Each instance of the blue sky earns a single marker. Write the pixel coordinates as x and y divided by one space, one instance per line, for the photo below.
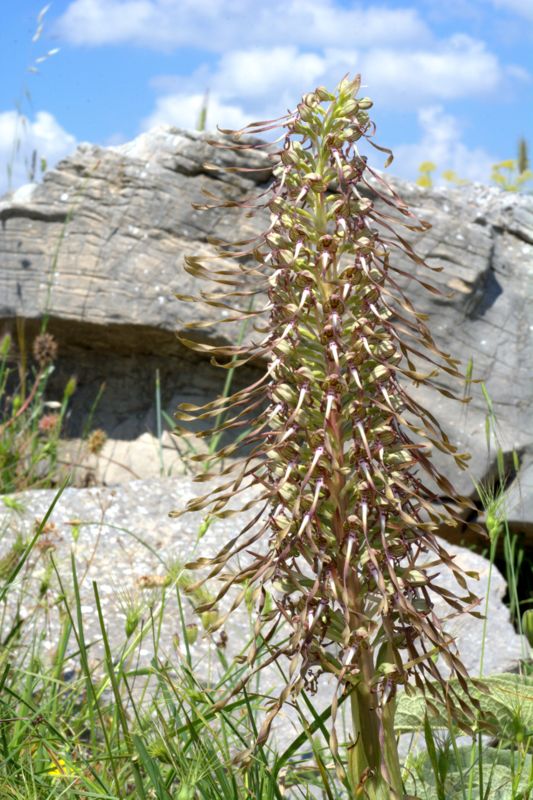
452 80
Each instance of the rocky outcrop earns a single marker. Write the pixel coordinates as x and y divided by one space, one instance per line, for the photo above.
99 248
122 537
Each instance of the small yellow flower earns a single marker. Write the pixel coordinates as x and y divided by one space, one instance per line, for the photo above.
58 768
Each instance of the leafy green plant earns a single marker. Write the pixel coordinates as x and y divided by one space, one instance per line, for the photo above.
505 708
508 176
502 768
348 545
514 563
511 175
508 776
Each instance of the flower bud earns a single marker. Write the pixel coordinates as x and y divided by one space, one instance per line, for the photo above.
70 388
310 99
191 633
527 625
209 619
316 181
322 93
5 345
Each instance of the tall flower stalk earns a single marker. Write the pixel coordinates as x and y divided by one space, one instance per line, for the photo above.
349 500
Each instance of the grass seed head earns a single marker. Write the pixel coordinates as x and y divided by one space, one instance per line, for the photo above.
45 349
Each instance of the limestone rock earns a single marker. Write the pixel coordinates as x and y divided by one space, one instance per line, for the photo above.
99 247
100 243
122 536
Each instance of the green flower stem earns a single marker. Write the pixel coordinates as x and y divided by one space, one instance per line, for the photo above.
366 761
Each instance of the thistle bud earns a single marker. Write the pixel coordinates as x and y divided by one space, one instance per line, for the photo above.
209 619
96 441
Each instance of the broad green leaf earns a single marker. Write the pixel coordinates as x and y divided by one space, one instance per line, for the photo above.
506 708
505 775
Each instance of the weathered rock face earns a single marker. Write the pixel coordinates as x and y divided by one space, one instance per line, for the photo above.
124 537
101 242
99 247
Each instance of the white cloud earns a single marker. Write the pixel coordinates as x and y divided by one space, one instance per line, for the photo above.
20 136
93 22
441 142
514 71
183 111
458 67
523 8
269 54
262 83
263 73
218 25
438 11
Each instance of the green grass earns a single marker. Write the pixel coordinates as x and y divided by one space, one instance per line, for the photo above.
92 719
76 725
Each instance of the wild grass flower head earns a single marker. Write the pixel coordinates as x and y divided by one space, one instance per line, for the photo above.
96 441
45 349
